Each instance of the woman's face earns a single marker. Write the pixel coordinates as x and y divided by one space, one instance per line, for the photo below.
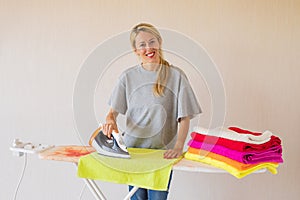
147 47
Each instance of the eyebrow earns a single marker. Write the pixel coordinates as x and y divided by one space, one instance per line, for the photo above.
144 41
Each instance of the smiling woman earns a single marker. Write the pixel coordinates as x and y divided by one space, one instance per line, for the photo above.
150 85
156 98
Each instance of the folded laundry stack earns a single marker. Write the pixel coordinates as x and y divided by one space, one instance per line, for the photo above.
238 151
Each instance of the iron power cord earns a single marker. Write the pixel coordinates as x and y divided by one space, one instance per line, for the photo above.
22 175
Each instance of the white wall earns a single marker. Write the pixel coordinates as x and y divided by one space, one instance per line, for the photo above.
255 45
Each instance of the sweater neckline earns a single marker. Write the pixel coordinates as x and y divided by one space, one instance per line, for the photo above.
145 70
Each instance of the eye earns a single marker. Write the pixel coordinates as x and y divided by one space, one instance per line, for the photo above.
142 45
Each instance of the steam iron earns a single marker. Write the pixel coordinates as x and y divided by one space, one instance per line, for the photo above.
114 147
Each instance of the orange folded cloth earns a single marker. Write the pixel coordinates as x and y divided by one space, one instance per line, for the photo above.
272 167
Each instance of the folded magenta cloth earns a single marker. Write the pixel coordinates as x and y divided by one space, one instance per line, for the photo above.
233 135
233 163
236 145
146 168
274 154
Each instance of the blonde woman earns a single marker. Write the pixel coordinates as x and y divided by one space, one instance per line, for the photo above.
156 99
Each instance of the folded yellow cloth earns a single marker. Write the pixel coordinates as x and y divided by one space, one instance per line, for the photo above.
232 170
146 168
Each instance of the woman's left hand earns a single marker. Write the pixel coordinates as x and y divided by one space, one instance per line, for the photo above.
173 153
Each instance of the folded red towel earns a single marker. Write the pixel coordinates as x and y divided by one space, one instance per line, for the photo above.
237 145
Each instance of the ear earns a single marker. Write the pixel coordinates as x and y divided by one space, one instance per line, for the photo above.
159 42
136 52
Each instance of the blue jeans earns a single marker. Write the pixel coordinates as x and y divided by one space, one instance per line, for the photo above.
146 194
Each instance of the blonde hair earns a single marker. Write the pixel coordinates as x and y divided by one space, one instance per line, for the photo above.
162 75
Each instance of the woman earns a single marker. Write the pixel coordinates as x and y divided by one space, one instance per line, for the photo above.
157 100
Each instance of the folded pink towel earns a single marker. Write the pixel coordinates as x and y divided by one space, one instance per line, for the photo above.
273 154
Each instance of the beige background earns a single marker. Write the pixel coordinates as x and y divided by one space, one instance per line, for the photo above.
255 45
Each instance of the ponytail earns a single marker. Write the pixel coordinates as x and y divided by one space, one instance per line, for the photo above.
162 78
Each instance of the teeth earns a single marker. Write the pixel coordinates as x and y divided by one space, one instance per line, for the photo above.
150 54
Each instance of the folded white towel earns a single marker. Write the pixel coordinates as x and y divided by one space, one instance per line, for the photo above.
232 135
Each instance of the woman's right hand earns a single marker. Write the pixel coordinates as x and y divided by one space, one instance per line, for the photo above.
110 124
109 127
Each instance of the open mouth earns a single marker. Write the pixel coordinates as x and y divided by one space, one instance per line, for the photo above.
150 55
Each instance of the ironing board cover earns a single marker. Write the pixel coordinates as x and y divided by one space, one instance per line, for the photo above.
146 168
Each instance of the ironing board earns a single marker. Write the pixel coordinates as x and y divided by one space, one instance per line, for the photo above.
72 154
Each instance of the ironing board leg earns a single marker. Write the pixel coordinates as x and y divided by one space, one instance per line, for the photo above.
94 189
131 193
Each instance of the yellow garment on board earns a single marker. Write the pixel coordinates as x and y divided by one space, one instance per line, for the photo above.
146 168
232 170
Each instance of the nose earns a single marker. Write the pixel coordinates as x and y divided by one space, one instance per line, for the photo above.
148 46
